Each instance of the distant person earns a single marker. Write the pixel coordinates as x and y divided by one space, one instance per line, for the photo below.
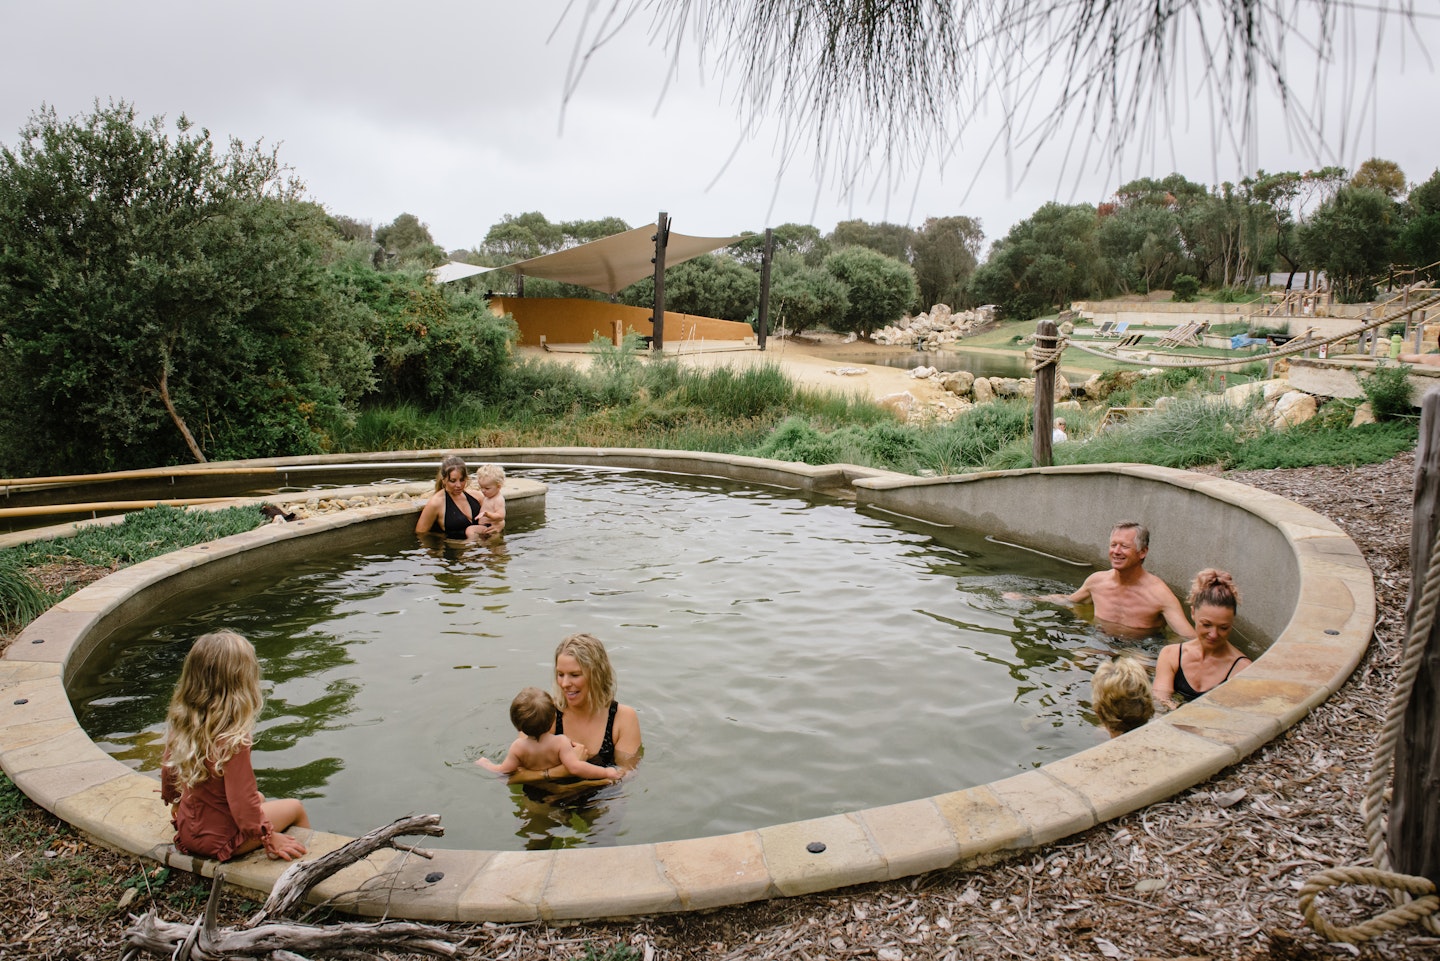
1129 600
1120 695
206 775
538 748
1058 435
451 511
489 478
1196 667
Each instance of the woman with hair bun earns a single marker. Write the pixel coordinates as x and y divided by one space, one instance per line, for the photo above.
1192 668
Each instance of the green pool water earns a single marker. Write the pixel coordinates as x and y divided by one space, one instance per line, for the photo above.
789 657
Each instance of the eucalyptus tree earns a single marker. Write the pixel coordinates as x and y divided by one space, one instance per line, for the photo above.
1350 237
879 289
946 252
161 299
1043 263
1419 240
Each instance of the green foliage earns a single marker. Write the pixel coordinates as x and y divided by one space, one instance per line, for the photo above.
1141 246
946 252
803 297
140 536
408 241
618 951
21 599
880 288
1350 238
1184 288
708 285
1339 445
1388 390
1187 433
431 345
1042 264
12 802
893 240
152 287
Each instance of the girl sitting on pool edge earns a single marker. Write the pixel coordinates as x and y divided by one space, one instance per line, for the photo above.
606 733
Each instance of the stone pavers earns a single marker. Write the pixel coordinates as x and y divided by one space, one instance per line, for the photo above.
1317 611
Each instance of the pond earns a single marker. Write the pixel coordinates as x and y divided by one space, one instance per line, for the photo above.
789 657
980 363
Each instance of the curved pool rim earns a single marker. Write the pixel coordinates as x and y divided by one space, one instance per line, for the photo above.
1307 589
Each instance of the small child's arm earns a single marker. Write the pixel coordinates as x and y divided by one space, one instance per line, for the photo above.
584 769
510 765
496 511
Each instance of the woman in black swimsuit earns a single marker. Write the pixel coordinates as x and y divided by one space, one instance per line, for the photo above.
451 510
1192 668
607 731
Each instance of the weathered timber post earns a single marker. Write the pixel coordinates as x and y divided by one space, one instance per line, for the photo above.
762 324
1046 337
657 319
1414 840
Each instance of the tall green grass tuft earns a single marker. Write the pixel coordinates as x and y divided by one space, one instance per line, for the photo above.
21 599
1187 433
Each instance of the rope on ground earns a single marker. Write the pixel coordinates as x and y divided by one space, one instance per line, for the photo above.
1402 887
1291 348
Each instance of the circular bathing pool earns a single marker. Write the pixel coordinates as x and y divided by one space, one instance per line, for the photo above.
789 657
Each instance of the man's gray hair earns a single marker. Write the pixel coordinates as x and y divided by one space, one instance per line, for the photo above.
1142 533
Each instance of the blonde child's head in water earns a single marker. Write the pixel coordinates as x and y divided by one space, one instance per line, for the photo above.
1120 695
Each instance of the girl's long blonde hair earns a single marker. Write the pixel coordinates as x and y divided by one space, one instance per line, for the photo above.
213 710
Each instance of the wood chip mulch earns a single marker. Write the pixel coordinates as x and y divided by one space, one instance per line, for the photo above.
1210 874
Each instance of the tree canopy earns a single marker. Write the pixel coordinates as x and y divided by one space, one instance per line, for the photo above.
162 300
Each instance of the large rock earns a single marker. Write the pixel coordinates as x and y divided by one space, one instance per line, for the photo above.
902 403
1364 414
958 382
1009 387
1294 407
1243 395
984 392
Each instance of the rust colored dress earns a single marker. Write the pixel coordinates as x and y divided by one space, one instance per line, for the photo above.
220 813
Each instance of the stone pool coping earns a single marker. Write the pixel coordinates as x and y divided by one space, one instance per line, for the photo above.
1317 606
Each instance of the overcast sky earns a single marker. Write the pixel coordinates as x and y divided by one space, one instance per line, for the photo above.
452 111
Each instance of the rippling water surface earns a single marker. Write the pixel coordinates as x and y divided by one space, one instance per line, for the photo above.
789 658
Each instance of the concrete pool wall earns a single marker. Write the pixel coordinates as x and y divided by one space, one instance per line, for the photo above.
1307 592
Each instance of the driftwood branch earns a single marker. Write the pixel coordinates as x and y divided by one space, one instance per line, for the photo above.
301 876
279 940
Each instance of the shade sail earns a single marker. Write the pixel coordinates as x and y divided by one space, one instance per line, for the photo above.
614 263
454 270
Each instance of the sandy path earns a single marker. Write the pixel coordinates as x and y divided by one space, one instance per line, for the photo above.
801 363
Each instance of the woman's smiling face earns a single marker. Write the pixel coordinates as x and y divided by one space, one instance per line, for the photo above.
570 678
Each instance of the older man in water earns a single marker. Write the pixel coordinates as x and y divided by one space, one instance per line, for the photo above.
1127 595
1129 600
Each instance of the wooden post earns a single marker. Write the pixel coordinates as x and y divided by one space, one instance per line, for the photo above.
1414 840
1046 336
657 319
762 323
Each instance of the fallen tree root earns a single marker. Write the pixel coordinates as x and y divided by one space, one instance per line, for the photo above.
266 935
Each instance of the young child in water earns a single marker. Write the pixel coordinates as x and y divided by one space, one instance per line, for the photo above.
489 478
218 811
538 748
1120 695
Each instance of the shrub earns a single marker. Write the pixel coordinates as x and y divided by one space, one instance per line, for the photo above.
1388 390
1185 288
